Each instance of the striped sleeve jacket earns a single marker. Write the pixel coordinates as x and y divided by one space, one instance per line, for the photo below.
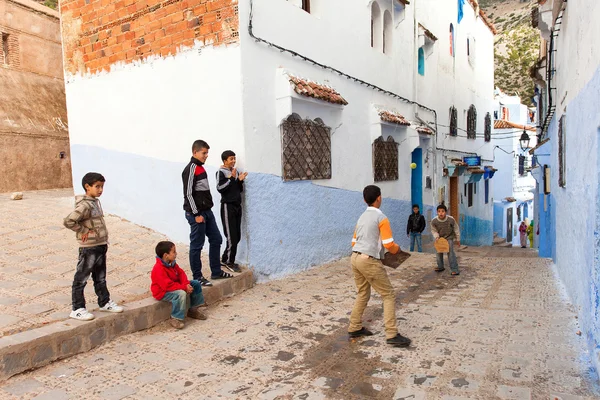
196 192
373 234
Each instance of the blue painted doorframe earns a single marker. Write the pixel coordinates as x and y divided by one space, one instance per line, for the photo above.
416 181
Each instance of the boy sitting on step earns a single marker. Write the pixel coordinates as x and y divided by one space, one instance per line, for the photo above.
170 283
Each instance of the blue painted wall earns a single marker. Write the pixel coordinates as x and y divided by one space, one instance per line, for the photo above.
570 223
416 180
294 225
499 226
475 231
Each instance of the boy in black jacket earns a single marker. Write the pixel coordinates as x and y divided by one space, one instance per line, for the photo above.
231 185
197 203
415 227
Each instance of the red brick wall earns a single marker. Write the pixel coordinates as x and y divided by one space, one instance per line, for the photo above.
99 33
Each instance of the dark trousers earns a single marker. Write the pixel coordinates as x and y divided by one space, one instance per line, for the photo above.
231 217
92 261
198 233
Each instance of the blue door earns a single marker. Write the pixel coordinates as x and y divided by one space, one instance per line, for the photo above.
416 181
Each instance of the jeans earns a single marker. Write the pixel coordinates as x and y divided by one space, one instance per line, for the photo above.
451 258
181 302
370 272
231 217
92 261
198 233
415 237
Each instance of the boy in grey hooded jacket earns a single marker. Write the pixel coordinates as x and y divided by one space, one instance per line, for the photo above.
87 221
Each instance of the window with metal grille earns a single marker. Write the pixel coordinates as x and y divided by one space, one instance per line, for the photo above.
305 149
385 159
487 134
453 121
521 165
472 122
562 142
427 182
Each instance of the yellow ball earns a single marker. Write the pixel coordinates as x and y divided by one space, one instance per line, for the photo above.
413 165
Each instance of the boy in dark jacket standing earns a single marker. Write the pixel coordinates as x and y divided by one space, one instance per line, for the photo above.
170 283
230 184
197 203
87 220
415 227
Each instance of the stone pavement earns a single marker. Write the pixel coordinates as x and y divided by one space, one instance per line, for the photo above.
501 330
39 257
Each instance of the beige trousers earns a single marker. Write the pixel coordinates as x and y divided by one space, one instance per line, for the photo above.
370 272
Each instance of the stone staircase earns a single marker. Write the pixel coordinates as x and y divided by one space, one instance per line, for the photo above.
500 242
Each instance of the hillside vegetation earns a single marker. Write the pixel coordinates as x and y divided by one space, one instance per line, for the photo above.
516 45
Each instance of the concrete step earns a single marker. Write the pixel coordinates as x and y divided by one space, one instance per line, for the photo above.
499 240
38 347
504 244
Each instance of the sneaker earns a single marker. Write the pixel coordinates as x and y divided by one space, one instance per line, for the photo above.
361 332
233 267
82 314
177 324
111 306
196 313
399 341
204 282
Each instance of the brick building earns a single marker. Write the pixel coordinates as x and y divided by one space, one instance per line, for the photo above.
34 135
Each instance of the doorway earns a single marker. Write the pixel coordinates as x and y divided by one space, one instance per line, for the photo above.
454 197
416 178
509 225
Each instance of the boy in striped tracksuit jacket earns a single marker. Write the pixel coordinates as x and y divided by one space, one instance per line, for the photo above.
372 238
230 183
197 203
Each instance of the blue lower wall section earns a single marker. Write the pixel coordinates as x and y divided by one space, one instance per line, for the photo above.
294 225
475 231
547 237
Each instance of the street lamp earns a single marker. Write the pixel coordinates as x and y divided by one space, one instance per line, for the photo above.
524 140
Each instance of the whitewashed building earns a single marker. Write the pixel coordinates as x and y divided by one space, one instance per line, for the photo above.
318 99
513 184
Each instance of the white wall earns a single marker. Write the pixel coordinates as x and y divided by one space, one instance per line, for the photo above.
139 121
338 36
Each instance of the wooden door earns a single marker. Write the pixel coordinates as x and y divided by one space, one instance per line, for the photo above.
454 197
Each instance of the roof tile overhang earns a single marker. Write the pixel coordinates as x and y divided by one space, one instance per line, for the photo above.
504 124
393 118
305 87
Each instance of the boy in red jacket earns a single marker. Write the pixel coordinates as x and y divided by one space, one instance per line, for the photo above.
170 283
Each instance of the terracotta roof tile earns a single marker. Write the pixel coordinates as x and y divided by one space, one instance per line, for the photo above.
476 170
424 130
428 33
315 90
504 124
394 118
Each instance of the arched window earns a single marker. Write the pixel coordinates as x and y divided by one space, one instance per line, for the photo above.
451 37
376 34
472 122
487 135
453 121
421 61
387 32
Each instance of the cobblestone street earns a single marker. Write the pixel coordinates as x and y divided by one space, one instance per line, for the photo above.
500 330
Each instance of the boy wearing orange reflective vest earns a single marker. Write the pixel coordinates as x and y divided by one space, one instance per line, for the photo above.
372 238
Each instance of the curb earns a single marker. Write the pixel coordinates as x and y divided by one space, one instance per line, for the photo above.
38 347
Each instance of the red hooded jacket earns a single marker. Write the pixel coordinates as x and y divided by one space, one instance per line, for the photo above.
167 279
